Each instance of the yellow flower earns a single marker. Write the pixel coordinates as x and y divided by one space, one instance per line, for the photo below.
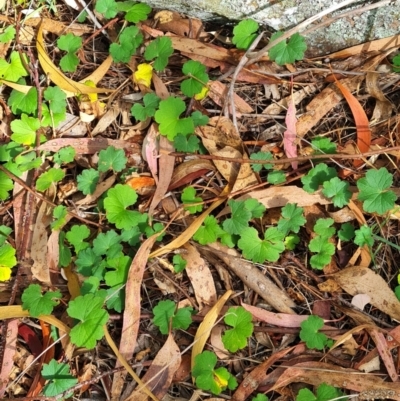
202 94
143 74
5 273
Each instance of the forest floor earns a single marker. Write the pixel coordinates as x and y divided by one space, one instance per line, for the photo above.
185 216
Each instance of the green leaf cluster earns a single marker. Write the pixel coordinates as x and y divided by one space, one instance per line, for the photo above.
325 392
159 50
274 177
210 378
310 334
321 244
58 378
170 123
167 315
242 328
197 78
70 43
189 198
244 33
287 52
129 40
37 303
375 193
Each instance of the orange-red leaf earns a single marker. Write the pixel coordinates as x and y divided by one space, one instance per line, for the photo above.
361 120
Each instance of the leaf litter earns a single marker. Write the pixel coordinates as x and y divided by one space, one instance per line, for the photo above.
261 276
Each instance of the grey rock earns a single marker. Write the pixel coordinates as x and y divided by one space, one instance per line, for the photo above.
354 29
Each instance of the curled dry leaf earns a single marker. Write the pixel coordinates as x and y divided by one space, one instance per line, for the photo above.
158 377
218 92
253 278
200 277
188 171
362 280
9 353
166 165
315 373
131 317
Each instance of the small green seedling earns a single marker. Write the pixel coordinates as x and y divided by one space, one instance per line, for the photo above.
287 52
159 50
321 244
210 378
310 334
364 236
58 378
129 40
396 63
209 231
197 78
186 143
166 314
292 219
374 191
88 309
244 33
7 34
324 392
317 176
37 303
49 178
259 250
135 12
179 263
87 181
70 44
14 70
118 199
190 201
242 328
338 190
151 102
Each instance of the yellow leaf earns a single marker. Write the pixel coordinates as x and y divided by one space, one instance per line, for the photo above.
92 96
221 381
5 273
143 74
55 74
202 94
203 332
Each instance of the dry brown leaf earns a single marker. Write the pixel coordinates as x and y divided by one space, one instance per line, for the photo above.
188 171
276 319
166 168
131 317
383 108
257 376
253 278
383 350
107 119
218 93
361 120
92 145
329 98
40 267
368 47
9 353
220 138
200 277
316 373
362 280
280 196
52 25
170 21
158 377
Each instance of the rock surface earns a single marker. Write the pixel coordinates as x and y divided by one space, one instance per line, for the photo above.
354 28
